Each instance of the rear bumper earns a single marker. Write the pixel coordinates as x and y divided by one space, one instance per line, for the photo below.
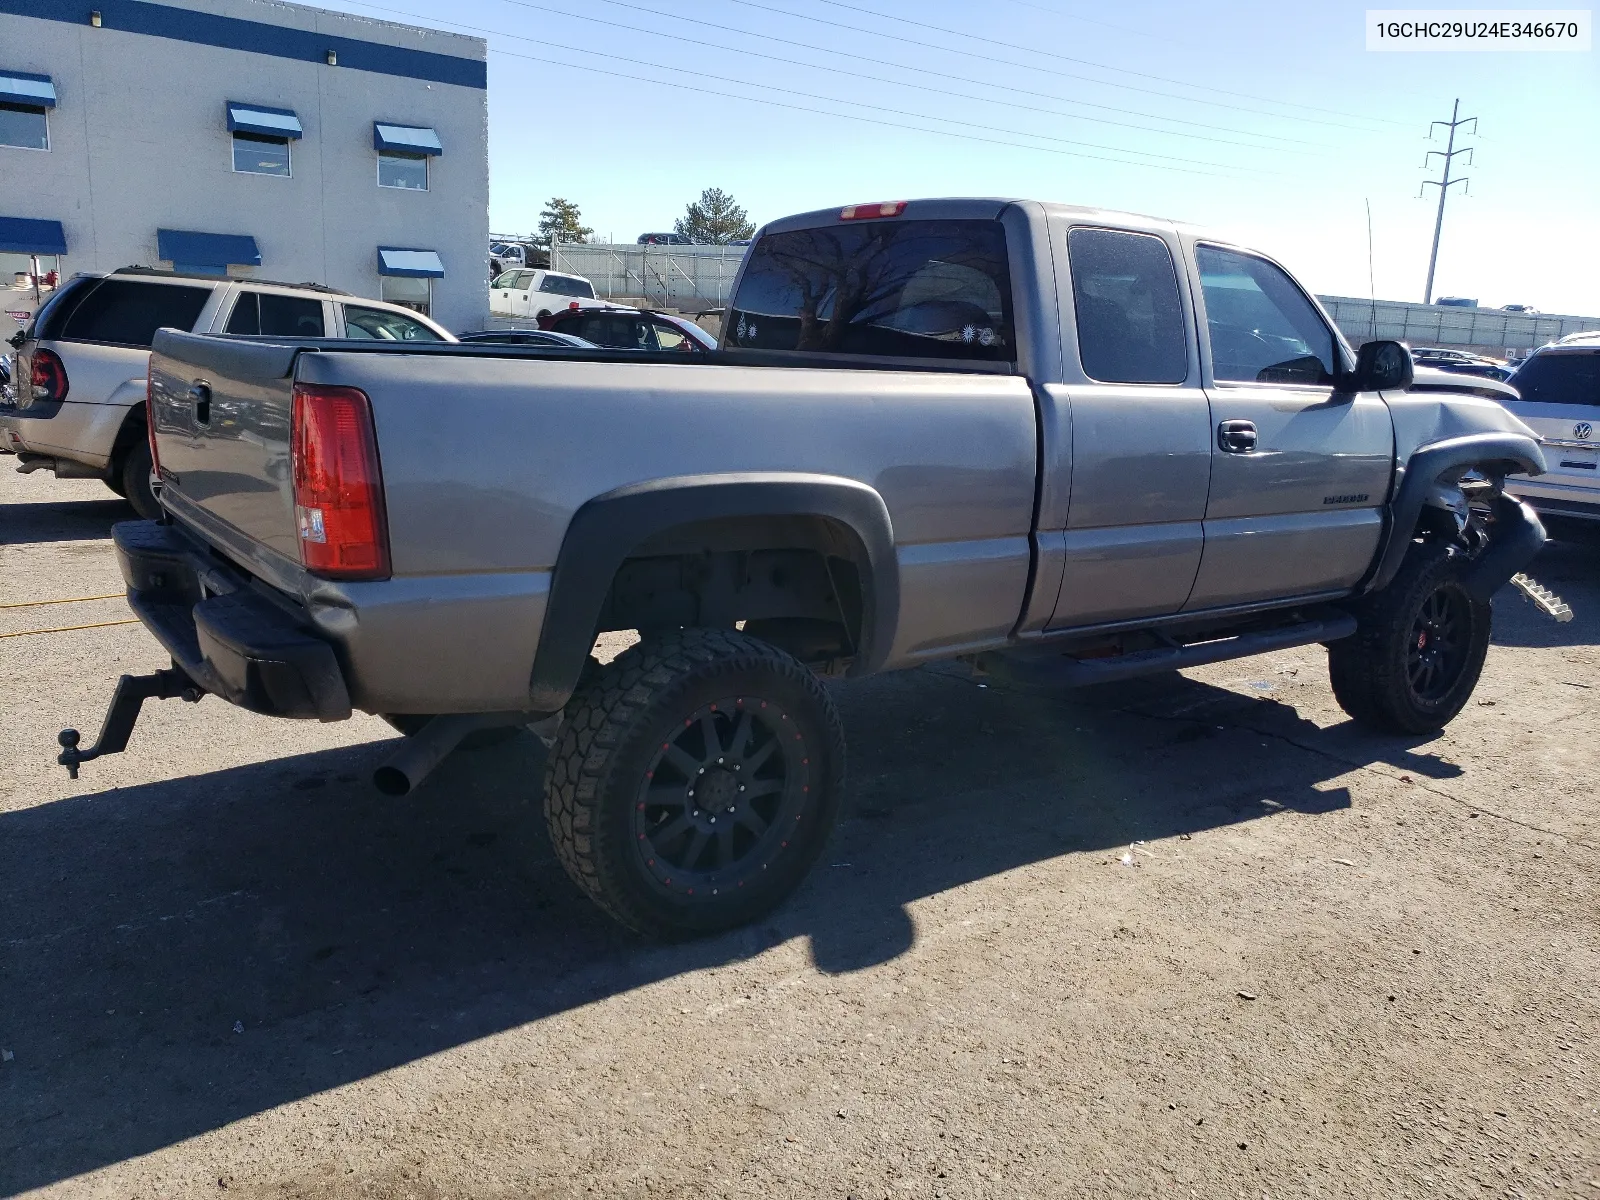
81 433
226 633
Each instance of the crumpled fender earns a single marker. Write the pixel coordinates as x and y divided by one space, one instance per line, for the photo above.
1505 451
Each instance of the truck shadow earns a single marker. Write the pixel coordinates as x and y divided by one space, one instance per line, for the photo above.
62 521
178 956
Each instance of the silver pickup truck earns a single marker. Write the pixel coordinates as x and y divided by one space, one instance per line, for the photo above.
1063 444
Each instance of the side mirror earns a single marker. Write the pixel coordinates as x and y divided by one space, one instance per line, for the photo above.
1382 367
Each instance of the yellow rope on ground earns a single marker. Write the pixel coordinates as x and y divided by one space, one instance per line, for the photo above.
70 628
72 600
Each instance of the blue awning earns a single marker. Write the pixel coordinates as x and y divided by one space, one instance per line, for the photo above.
184 246
411 139
23 235
257 118
409 264
19 87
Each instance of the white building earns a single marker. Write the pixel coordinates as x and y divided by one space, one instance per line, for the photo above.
244 137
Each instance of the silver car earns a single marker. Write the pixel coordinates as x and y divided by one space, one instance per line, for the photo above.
1559 398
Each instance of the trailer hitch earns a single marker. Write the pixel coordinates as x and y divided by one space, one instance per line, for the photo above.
132 691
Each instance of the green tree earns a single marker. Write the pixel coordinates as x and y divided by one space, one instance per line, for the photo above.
715 220
562 222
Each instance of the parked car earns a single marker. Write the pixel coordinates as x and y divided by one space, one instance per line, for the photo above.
1460 362
1062 444
665 239
526 337
1519 308
1558 396
632 329
537 293
81 361
1456 302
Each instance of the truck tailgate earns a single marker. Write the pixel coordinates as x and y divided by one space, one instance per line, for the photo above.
221 410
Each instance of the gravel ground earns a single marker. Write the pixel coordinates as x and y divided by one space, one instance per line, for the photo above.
1191 936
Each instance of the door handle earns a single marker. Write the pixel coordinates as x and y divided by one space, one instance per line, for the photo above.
200 393
1236 437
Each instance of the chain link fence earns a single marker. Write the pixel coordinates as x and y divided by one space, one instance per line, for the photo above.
689 278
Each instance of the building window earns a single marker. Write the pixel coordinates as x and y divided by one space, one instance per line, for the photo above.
409 292
398 169
24 126
259 154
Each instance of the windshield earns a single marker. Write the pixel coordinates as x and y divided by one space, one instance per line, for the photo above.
1564 378
902 289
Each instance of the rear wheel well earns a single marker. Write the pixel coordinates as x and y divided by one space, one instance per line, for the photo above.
131 433
796 582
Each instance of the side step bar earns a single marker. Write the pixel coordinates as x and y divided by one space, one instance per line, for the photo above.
1059 670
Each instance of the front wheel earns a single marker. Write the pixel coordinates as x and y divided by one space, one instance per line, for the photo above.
1418 650
694 781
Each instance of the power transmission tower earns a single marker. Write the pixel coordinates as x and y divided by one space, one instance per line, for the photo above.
1445 183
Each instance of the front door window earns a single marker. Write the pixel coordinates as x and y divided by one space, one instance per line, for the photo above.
1262 327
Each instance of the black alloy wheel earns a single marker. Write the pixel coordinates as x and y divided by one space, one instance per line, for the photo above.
721 796
1439 644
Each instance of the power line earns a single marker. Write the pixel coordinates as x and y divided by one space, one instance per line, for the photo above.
791 44
1056 12
639 62
956 95
894 37
1445 183
855 7
821 112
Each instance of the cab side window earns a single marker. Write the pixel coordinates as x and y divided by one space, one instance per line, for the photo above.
382 326
1129 316
1262 328
277 316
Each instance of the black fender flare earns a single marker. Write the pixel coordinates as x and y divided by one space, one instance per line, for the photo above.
608 528
1517 451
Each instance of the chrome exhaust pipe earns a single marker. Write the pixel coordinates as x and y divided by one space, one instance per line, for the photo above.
405 769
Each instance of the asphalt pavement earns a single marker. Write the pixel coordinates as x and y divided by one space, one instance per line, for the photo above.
1195 935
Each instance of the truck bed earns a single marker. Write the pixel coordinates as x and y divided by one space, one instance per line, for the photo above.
487 453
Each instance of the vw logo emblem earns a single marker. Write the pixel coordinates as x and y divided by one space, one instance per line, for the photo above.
1582 430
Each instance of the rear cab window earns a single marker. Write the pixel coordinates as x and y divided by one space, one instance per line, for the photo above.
121 312
933 289
1560 377
566 285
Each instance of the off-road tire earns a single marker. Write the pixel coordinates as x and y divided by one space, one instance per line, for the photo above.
1372 670
133 476
615 737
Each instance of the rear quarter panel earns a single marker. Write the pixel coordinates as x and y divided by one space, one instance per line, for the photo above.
485 461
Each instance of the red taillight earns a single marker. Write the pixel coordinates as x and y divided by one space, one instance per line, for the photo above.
871 212
150 421
48 379
338 488
574 306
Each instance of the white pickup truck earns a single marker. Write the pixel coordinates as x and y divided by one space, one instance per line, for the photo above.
531 294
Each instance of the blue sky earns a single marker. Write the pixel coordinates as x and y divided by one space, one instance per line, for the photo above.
1270 121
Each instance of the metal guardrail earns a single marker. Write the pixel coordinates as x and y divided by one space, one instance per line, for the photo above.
662 276
1487 329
